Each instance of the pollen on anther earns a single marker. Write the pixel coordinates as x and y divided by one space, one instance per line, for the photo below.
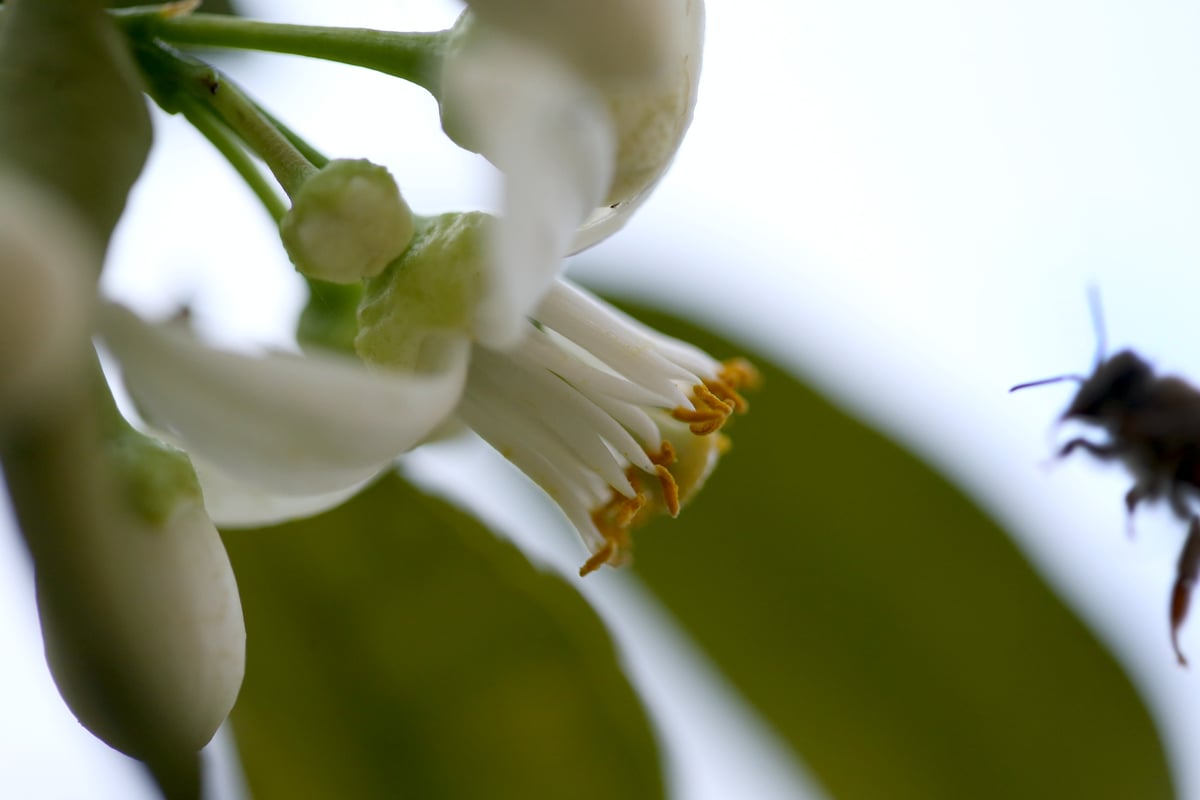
665 457
670 489
709 413
597 560
739 373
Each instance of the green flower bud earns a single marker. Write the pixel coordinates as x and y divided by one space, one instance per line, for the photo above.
347 222
430 291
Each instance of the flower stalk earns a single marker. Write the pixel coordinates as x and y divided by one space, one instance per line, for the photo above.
413 57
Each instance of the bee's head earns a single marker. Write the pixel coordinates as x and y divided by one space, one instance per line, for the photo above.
1116 384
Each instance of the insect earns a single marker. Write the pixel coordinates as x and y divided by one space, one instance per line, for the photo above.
1153 426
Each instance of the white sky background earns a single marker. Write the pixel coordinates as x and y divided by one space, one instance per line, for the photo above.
904 204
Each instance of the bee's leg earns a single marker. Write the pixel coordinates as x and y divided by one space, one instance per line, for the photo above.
1179 503
1104 452
1136 494
1185 580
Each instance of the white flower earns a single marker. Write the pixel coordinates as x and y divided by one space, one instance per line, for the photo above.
613 420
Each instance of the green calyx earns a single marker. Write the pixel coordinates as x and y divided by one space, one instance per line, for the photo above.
347 222
330 317
429 291
155 479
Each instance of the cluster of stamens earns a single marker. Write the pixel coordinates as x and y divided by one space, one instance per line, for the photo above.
594 407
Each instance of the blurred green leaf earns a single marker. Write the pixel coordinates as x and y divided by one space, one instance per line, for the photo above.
396 648
891 632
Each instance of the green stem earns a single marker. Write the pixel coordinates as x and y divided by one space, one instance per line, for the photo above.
210 125
314 156
287 163
177 81
414 57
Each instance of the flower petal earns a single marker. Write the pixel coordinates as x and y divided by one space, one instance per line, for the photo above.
234 503
292 425
650 119
552 137
614 40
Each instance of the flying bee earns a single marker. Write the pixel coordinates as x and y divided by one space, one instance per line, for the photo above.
1153 427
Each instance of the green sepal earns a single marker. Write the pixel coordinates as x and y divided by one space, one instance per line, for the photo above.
154 478
330 317
430 290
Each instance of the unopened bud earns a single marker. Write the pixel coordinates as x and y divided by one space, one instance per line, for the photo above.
156 660
347 222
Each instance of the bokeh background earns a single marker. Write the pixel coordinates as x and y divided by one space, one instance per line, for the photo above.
902 205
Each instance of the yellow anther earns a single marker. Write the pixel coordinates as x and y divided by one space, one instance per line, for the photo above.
733 375
598 559
665 457
613 520
670 489
713 402
740 373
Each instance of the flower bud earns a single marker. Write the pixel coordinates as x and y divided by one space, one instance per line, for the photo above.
151 657
347 222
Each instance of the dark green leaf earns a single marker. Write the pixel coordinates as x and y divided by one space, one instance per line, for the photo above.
396 648
890 631
71 108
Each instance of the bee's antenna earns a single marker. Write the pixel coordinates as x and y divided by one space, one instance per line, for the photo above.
1044 381
1097 322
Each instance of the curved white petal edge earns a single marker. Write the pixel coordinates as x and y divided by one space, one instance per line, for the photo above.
288 424
613 40
234 503
678 87
550 134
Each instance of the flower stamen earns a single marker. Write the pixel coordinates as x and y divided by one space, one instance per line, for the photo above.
734 375
616 422
708 413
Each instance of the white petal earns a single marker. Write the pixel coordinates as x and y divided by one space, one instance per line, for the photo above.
552 137
234 503
650 119
603 222
612 40
290 424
